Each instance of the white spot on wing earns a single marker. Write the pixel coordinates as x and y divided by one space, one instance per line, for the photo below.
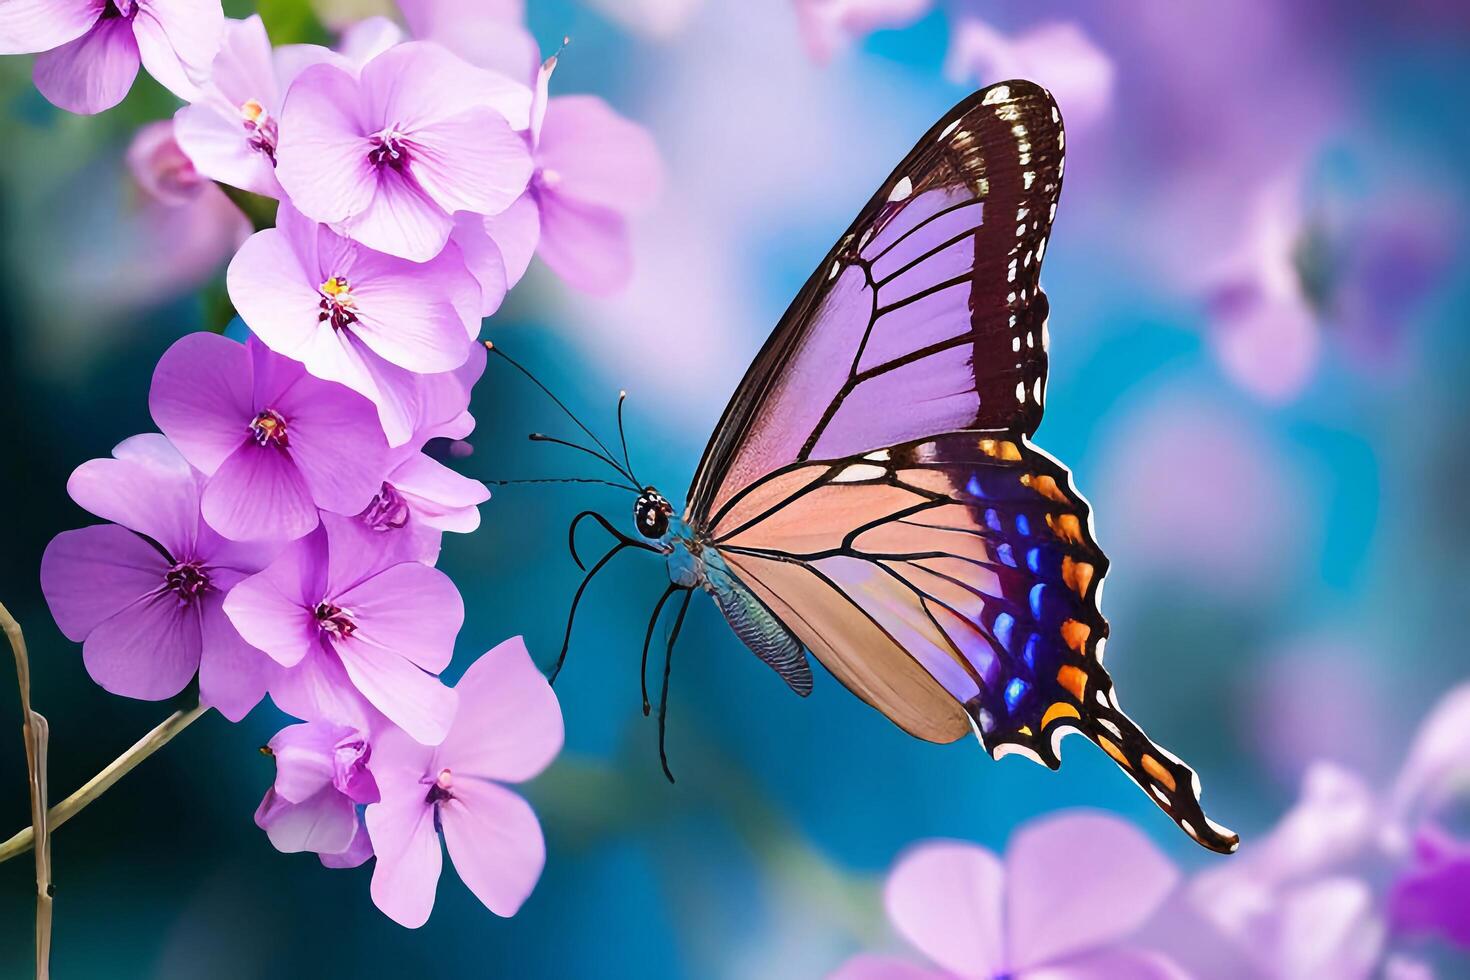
1001 93
1020 391
901 190
949 129
859 472
880 456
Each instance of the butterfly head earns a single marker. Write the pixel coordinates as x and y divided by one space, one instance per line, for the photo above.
651 513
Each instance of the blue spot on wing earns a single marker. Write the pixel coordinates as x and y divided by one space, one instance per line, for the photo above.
1015 691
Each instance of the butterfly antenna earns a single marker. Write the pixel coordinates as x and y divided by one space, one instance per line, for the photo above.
559 479
663 701
605 455
623 437
648 641
543 437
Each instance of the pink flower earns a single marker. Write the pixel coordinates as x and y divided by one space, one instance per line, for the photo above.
388 157
1069 890
144 595
91 48
361 628
275 442
1058 55
321 776
508 729
370 321
231 129
829 26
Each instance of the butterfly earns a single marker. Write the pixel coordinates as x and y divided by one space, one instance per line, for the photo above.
871 496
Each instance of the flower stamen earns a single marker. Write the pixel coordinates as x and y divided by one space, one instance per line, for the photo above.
337 304
260 128
269 428
388 511
389 149
332 619
187 579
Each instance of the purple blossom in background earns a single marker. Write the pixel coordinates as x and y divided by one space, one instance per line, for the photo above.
361 629
275 442
144 595
352 315
830 26
593 167
388 157
1058 55
231 129
486 33
1432 897
322 775
1070 889
90 49
508 729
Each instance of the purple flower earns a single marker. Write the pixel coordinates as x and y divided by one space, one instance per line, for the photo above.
361 628
1432 897
423 498
321 776
362 318
91 48
144 595
388 157
592 168
231 129
508 729
1070 889
1058 55
275 442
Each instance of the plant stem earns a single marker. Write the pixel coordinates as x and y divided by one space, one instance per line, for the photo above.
35 732
99 784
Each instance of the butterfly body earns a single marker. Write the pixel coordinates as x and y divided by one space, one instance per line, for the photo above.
872 494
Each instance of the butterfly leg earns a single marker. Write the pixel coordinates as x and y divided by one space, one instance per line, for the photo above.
618 536
572 615
648 641
663 701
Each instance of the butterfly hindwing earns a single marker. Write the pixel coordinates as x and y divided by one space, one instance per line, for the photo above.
973 552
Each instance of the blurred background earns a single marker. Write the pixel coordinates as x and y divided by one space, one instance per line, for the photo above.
1259 364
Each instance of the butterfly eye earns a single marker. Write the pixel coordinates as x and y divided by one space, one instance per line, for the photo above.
651 515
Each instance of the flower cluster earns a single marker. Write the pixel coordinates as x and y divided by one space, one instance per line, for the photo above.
279 534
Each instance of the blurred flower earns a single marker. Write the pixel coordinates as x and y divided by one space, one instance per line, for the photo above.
364 319
356 624
1058 55
321 777
508 729
828 26
1325 261
1302 900
90 49
486 33
388 158
275 442
231 129
1071 889
1432 896
144 595
658 19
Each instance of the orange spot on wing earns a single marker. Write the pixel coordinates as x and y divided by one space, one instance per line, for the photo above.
1066 527
1113 751
1047 487
1156 769
1074 679
1075 634
1077 575
1060 709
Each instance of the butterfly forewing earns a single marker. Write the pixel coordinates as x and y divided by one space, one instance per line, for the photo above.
873 483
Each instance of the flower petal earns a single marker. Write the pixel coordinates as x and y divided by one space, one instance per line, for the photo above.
357 852
93 573
319 689
516 232
161 502
178 40
495 842
202 398
93 72
148 651
321 160
303 755
268 611
471 161
272 291
409 859
325 822
509 726
410 313
598 156
417 84
945 897
28 26
586 245
438 496
233 675
416 702
1110 964
400 219
867 966
259 493
410 610
1094 872
1436 765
